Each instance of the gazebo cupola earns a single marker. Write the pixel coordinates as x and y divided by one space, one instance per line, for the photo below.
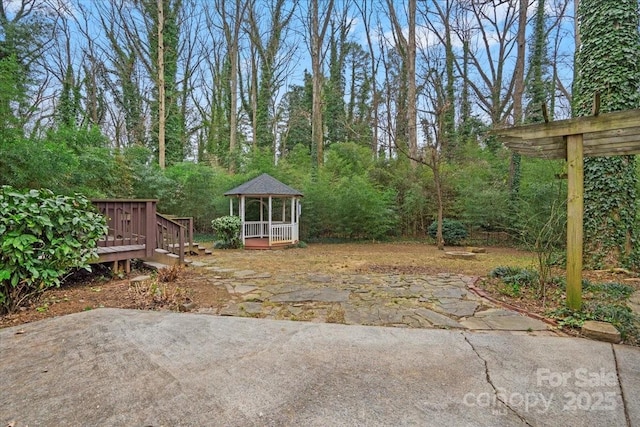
269 211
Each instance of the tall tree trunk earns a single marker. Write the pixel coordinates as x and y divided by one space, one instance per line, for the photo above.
317 32
406 46
412 115
518 92
233 113
161 88
607 64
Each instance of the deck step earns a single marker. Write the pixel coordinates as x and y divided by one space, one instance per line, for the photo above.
196 249
155 265
164 257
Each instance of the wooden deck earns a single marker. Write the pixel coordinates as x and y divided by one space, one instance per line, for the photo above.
136 230
119 253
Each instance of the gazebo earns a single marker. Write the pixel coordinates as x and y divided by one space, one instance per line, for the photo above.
269 211
611 134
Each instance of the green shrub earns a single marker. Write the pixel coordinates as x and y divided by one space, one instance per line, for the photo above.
515 278
521 276
453 232
227 232
43 236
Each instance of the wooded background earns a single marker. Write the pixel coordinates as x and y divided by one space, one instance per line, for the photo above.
376 109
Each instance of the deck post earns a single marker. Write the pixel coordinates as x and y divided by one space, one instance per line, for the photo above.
150 229
575 212
181 246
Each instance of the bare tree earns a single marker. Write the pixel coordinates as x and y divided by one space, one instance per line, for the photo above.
232 15
406 46
270 66
488 29
366 13
317 24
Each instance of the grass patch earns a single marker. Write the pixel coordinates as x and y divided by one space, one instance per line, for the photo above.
203 237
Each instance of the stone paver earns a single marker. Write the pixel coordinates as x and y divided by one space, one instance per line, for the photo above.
601 331
251 307
458 307
322 295
378 299
244 289
437 319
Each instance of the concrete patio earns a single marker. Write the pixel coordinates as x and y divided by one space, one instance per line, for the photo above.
112 367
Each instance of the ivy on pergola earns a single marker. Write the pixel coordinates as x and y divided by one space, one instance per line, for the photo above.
611 134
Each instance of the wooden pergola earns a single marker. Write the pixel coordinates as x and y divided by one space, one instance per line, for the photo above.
277 216
611 134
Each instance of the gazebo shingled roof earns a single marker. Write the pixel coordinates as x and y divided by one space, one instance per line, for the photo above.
263 185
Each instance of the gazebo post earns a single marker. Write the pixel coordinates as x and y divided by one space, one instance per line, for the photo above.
270 221
261 218
575 212
230 206
241 209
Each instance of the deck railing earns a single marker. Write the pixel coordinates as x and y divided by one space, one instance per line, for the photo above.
187 223
135 225
170 235
130 222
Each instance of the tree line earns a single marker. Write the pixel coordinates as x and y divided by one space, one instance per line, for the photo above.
140 97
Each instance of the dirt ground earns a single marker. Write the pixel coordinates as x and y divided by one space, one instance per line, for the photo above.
194 284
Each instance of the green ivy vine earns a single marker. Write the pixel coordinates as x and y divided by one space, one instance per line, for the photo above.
608 63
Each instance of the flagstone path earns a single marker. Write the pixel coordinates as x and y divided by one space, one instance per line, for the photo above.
399 300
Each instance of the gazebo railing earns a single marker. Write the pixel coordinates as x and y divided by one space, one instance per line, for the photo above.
280 232
253 229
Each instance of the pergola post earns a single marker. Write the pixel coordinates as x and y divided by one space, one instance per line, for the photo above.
575 211
611 134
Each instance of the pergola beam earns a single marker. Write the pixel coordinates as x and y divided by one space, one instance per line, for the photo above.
610 134
615 121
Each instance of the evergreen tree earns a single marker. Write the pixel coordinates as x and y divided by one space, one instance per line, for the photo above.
537 84
298 110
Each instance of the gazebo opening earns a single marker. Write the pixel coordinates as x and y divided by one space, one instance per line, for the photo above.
269 211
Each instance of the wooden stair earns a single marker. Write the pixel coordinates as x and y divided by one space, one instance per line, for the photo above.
196 249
